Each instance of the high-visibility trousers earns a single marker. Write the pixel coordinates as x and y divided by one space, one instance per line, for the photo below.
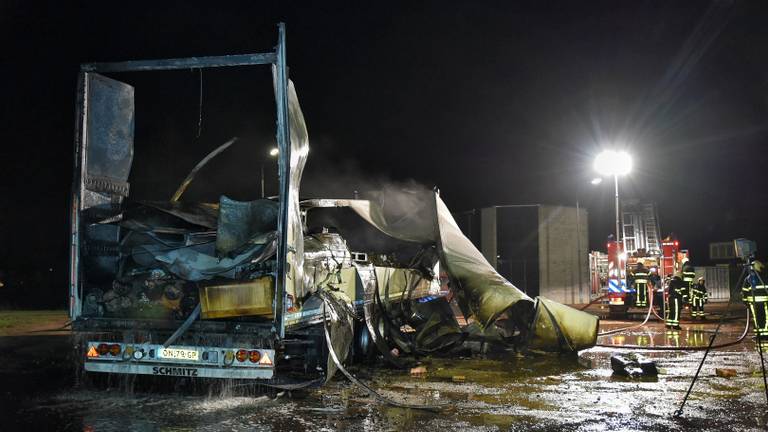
697 306
673 311
641 297
759 311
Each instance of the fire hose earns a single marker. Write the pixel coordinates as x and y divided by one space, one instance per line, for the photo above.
669 348
745 275
647 316
673 348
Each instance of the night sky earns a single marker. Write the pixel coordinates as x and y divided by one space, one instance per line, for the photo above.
493 102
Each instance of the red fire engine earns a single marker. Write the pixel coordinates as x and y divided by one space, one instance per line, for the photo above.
666 264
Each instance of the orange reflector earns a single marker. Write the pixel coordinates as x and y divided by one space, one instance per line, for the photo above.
241 355
265 360
92 352
114 349
254 356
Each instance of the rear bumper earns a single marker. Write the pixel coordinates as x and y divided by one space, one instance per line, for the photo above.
180 361
179 370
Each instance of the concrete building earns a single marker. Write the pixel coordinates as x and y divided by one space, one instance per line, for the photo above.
542 249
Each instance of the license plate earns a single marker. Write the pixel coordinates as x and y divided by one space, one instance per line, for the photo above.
179 354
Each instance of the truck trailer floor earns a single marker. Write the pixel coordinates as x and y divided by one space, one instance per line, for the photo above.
40 392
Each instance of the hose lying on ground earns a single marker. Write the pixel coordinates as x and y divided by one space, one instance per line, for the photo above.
673 348
647 316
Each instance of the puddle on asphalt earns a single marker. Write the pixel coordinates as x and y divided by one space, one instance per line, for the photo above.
527 393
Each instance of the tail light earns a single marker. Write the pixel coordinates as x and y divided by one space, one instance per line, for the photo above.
241 355
103 349
114 349
254 356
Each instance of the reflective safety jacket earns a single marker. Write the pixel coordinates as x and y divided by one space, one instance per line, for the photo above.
760 292
698 290
641 277
688 277
677 288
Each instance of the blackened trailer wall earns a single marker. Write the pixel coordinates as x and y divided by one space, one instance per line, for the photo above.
542 249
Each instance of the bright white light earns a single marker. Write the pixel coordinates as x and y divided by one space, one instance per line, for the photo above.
612 162
274 151
597 180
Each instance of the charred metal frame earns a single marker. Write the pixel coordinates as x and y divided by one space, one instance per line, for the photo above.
278 61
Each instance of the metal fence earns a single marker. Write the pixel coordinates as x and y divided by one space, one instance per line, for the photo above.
717 280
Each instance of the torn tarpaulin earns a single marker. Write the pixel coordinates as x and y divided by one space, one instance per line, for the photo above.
482 293
426 219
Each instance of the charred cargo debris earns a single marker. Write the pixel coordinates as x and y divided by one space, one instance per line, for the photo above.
262 289
394 296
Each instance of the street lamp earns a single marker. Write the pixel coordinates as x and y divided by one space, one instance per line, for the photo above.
614 163
273 152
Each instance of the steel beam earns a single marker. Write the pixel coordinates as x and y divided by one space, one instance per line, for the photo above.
182 63
284 168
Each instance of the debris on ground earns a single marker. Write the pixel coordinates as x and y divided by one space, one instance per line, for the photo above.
419 372
633 365
458 378
725 373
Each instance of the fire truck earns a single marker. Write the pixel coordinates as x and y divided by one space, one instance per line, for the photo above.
640 243
619 292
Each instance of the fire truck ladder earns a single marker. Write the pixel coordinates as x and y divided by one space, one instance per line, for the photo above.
653 242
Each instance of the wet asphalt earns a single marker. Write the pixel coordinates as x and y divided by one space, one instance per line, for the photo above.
43 390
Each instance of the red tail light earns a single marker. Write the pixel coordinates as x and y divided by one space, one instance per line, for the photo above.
114 349
103 349
241 355
254 356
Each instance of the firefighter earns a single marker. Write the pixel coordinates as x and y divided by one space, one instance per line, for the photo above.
689 276
755 294
640 283
675 302
698 298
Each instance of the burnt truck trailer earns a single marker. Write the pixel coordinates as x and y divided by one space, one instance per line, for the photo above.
279 290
